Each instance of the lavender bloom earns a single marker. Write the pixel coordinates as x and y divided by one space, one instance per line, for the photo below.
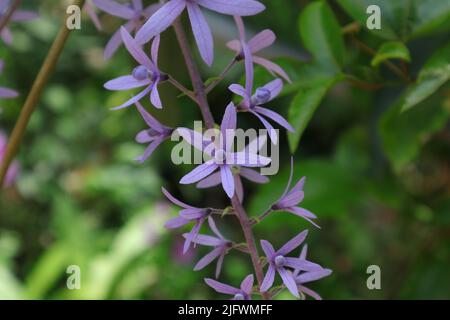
253 104
309 276
290 200
188 214
257 43
154 135
6 93
243 293
93 15
220 244
278 262
13 170
133 12
146 74
17 16
222 157
165 16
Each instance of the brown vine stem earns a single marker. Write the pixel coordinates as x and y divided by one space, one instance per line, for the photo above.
5 19
33 97
194 73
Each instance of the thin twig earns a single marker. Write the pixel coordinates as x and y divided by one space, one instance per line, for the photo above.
5 19
33 97
183 89
219 79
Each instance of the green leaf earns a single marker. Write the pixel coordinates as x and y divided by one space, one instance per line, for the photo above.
321 35
391 50
303 107
434 74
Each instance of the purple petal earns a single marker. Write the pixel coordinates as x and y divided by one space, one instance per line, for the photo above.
272 132
275 117
219 264
135 99
206 240
135 50
6 35
253 175
274 87
238 89
175 200
310 292
195 139
221 287
262 40
160 20
149 119
273 68
233 7
210 181
199 173
289 281
191 236
227 180
137 4
148 152
310 276
293 243
302 212
256 144
304 252
268 279
126 83
234 45
247 159
228 126
21 15
207 259
247 284
291 199
155 50
291 174
154 96
268 249
300 184
114 8
239 188
302 265
213 227
176 223
8 93
202 32
93 15
151 9
192 213
299 212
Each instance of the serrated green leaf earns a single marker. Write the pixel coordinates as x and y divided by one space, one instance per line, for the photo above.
391 50
321 35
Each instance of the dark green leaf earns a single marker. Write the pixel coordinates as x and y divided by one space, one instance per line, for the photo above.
391 50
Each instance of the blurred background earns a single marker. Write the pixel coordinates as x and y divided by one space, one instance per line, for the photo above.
377 178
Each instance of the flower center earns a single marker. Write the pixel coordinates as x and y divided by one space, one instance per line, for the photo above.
238 296
261 96
279 261
141 73
220 156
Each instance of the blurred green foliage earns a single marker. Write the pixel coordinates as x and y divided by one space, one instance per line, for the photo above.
371 113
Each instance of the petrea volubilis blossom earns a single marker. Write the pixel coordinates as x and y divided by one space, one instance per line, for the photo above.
221 154
167 14
17 16
146 74
309 276
279 263
243 293
260 41
6 93
290 199
13 170
154 135
220 244
133 12
187 215
253 104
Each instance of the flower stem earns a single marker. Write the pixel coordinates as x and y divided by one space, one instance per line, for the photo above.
194 73
33 97
221 76
250 239
182 88
5 19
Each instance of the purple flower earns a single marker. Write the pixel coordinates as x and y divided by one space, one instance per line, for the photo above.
17 16
187 215
290 200
220 244
257 43
154 135
278 262
253 104
93 15
243 293
309 276
6 93
13 170
222 157
146 74
165 16
133 12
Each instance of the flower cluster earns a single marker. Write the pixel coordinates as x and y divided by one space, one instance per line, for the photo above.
224 165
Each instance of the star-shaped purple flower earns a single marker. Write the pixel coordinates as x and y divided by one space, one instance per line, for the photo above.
154 135
133 12
220 244
309 276
242 293
17 16
6 93
187 215
146 74
221 154
253 104
257 43
165 16
290 200
278 262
